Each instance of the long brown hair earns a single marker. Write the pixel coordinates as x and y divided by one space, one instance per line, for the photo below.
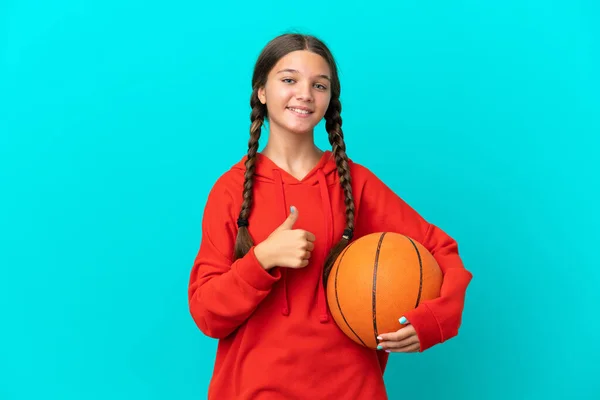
271 54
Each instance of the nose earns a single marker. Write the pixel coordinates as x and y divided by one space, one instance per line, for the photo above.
304 92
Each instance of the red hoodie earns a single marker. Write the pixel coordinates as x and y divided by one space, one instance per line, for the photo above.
277 339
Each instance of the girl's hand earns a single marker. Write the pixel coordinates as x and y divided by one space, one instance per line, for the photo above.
405 340
285 246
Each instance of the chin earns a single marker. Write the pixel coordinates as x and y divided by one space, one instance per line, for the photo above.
303 130
301 127
296 126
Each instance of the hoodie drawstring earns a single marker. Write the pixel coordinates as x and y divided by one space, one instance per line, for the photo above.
326 206
326 203
285 310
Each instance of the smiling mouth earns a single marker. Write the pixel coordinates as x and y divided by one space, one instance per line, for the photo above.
299 111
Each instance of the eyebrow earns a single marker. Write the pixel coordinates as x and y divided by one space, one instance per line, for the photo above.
297 72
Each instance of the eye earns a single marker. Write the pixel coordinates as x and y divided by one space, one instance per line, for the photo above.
321 86
287 80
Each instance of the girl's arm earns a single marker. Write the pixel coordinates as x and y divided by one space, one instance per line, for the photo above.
222 294
380 209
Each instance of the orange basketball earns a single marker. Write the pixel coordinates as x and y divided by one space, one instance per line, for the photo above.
375 280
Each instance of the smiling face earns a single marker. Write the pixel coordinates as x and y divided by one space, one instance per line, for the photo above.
297 92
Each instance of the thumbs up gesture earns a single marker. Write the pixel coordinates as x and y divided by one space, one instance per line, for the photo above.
286 246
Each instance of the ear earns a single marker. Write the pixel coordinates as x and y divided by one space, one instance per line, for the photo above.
262 95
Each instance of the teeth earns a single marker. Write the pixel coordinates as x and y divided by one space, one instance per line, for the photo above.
299 111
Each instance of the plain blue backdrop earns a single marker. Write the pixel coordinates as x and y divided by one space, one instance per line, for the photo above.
116 117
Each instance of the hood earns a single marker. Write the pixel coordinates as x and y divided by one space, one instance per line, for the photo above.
267 171
324 175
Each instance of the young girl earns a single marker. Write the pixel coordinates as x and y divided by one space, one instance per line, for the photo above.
272 226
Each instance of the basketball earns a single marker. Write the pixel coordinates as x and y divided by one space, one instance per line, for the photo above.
375 280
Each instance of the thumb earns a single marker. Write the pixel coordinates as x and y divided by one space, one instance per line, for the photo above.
291 219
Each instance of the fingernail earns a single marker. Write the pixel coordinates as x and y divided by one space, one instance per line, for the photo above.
292 209
402 320
379 338
387 351
379 347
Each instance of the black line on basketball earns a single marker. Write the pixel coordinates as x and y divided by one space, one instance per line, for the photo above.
420 271
374 291
336 294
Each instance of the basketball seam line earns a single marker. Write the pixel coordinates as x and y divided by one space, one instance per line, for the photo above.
338 300
420 271
374 290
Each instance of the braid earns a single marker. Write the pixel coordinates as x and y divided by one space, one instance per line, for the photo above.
333 125
244 241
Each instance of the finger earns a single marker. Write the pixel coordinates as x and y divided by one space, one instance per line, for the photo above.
309 246
306 255
309 236
291 219
412 348
399 335
398 345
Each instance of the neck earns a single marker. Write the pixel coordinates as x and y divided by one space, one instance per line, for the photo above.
292 152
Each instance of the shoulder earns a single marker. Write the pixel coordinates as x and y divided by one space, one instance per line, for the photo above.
226 189
367 185
361 174
230 180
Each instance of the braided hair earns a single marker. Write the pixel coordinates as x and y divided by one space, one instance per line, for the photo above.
244 241
271 54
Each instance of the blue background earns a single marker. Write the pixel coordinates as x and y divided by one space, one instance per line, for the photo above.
116 117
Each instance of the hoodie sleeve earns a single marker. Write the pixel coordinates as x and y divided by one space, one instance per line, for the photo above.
381 210
223 293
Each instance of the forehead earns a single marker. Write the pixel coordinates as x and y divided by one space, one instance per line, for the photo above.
305 62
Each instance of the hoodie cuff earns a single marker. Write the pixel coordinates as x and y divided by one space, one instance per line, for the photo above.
426 326
251 272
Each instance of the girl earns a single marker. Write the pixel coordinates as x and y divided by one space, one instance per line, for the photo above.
272 226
